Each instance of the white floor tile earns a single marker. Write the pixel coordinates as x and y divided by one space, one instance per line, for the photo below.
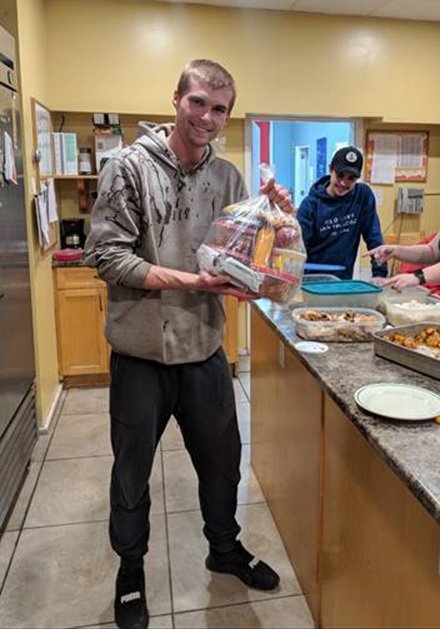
283 613
64 577
196 588
86 400
7 546
84 434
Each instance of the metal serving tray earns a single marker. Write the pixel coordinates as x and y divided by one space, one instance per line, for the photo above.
403 355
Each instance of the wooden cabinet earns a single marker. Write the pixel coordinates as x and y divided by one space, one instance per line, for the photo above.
380 548
286 449
81 301
81 305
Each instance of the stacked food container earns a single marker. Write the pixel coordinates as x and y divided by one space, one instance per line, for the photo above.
340 311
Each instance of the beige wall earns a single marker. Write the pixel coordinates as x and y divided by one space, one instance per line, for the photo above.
126 55
34 62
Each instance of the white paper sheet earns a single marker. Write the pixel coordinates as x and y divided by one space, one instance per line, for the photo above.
42 216
52 213
384 162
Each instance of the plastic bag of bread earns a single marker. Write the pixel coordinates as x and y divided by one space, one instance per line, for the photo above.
258 245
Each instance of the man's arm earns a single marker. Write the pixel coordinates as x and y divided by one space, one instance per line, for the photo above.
403 280
372 234
417 254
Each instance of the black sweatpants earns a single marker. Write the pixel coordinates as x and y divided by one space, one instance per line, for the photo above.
143 396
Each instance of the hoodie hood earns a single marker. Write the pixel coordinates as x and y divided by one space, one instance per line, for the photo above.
152 136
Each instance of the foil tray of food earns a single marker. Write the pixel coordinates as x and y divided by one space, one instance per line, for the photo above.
416 346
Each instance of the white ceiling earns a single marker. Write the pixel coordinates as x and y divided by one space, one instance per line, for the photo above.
401 9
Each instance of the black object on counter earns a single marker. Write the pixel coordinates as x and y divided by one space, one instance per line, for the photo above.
72 233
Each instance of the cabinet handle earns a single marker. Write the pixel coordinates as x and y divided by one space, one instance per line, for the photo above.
100 303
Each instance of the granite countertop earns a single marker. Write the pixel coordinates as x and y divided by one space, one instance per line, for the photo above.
411 449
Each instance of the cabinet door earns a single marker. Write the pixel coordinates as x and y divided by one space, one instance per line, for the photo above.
82 345
380 546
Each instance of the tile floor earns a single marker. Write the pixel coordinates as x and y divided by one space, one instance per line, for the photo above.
57 568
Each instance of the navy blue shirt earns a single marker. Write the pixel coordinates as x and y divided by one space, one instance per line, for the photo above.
333 226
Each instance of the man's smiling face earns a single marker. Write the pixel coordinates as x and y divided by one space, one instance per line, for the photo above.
340 183
201 113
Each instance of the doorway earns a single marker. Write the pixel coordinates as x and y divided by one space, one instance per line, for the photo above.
299 150
301 177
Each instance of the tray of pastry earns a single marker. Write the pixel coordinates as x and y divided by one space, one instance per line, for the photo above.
341 325
416 346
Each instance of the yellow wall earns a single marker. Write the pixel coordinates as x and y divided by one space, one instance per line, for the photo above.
34 80
126 55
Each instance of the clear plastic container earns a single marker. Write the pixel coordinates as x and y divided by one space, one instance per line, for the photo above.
278 286
392 296
342 325
319 277
413 311
341 293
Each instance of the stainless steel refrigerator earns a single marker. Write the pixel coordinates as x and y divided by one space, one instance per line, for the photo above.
18 431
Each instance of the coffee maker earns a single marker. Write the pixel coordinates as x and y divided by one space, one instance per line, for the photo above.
72 233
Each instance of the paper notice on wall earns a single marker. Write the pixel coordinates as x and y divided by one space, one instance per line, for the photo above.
52 213
411 151
41 211
384 161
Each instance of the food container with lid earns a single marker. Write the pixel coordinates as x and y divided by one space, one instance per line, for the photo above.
413 311
390 295
351 293
341 325
319 277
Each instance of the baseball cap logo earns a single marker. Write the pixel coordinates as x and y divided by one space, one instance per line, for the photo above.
351 157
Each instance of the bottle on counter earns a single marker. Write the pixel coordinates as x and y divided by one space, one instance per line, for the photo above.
85 161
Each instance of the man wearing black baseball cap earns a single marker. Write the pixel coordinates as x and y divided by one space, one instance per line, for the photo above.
337 212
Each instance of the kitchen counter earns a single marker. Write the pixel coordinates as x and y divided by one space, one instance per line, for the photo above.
356 498
68 263
411 449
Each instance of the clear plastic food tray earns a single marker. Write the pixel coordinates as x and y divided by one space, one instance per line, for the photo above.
412 311
350 293
365 324
392 296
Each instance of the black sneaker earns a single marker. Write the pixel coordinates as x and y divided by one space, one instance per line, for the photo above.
130 603
239 562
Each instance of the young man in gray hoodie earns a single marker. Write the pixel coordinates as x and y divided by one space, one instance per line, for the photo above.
156 202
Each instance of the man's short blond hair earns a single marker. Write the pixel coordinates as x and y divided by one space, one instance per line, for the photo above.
207 71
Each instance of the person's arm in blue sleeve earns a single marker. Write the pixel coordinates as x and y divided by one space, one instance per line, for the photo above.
372 233
305 219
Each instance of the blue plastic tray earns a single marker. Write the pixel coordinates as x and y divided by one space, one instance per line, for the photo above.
341 287
312 266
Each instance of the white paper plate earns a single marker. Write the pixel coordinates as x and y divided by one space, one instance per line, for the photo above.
398 401
311 347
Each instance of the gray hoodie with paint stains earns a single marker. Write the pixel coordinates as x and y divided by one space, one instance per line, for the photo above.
149 211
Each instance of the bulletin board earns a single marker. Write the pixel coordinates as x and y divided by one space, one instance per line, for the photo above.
43 161
405 152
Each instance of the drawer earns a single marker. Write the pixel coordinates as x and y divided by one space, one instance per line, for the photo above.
77 277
